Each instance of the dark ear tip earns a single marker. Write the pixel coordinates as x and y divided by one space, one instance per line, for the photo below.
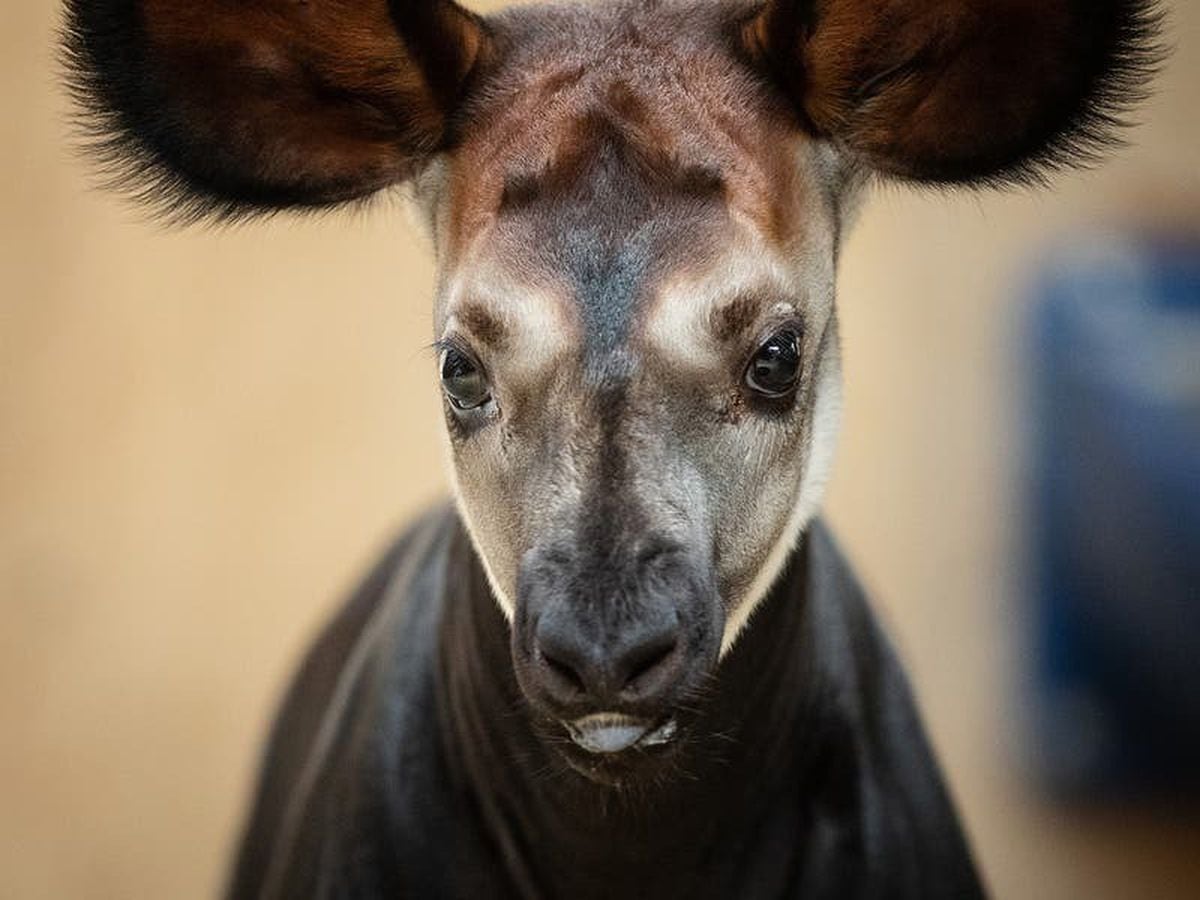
104 73
1127 54
223 112
1130 60
1013 124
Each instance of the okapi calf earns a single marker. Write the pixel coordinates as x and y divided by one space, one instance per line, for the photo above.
628 663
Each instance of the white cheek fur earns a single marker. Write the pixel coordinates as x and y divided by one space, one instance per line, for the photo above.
503 600
827 416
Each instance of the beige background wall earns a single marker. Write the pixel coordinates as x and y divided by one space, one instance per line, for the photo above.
205 436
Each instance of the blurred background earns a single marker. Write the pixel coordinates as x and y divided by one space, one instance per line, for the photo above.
206 436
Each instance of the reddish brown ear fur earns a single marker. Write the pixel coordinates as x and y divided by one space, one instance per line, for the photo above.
229 107
961 91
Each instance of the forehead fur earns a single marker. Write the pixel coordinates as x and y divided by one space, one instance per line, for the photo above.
648 101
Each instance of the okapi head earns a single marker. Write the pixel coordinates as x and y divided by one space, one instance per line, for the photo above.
636 208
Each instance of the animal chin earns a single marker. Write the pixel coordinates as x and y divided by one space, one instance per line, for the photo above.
606 734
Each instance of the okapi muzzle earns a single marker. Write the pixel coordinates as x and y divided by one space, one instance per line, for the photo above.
613 641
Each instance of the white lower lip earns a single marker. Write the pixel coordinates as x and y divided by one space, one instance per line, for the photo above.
606 733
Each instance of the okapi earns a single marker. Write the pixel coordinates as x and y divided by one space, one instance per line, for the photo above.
629 662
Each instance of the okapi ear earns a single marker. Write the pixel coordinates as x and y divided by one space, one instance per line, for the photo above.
961 91
227 108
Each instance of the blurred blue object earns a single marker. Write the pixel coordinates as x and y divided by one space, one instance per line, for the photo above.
1116 517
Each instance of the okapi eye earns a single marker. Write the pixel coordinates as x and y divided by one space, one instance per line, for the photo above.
776 366
463 380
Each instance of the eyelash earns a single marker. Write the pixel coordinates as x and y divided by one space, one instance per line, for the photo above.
441 345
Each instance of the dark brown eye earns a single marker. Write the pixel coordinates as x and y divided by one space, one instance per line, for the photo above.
463 380
775 368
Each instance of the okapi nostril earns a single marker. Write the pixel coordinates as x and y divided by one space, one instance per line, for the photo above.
567 676
573 663
648 661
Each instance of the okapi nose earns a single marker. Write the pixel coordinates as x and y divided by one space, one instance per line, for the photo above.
641 661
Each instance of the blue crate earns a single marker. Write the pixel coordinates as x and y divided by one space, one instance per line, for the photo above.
1115 516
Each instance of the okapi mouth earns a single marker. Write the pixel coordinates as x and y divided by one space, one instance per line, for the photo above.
624 743
616 750
610 733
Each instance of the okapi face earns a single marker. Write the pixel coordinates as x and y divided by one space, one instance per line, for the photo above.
638 350
637 208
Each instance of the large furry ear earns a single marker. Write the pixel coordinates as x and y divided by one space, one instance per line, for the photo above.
226 108
960 91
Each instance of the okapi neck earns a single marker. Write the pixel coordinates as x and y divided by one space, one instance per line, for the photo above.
560 834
